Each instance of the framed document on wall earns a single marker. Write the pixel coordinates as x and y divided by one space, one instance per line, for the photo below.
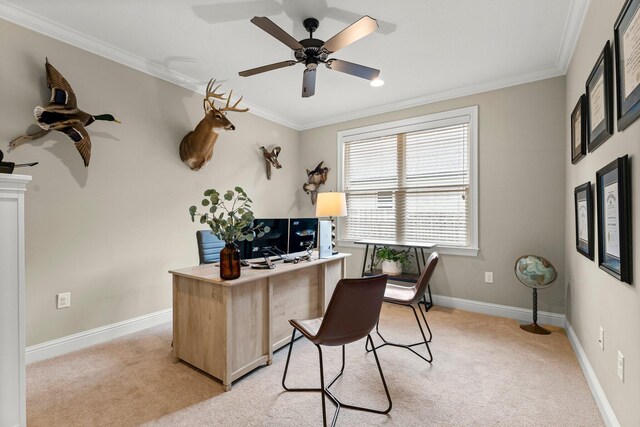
578 131
599 89
627 47
584 219
614 219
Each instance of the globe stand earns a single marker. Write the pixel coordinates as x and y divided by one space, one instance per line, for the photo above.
536 273
534 328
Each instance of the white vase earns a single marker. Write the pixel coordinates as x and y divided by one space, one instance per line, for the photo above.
392 268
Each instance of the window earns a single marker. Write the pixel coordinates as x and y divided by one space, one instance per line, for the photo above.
412 180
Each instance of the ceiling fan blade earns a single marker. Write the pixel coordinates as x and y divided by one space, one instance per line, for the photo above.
267 25
354 32
264 68
353 69
308 83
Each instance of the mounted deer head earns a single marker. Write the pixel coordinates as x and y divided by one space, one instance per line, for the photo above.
271 159
196 147
315 178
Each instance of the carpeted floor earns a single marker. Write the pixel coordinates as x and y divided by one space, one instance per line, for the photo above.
486 372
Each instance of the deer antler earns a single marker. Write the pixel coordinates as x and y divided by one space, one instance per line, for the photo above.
208 103
234 107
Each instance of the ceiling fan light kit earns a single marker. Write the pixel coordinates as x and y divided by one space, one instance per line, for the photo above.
314 51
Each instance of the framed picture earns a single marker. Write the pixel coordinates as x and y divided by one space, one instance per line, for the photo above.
584 219
578 130
627 47
614 219
599 89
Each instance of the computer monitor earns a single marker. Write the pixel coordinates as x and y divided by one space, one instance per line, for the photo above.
275 241
303 234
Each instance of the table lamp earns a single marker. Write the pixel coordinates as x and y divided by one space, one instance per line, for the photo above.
331 205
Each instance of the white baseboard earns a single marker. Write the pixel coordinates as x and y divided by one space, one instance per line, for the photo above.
522 314
596 390
81 340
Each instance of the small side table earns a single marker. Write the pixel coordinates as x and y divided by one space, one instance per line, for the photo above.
407 278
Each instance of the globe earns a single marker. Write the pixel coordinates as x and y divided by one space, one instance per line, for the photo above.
535 271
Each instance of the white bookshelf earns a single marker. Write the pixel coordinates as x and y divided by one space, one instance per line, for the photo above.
12 306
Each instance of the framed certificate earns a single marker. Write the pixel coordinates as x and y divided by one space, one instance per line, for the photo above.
614 219
627 48
599 90
584 219
578 131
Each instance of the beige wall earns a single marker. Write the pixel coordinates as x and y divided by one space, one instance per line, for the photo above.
521 174
109 233
594 298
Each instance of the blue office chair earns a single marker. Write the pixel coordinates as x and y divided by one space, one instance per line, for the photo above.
209 247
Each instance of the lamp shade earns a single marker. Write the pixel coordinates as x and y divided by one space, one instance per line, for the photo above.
331 204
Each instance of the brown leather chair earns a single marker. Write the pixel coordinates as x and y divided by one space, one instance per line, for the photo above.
351 315
410 296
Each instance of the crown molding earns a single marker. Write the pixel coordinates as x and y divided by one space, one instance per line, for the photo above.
40 24
32 21
440 96
572 29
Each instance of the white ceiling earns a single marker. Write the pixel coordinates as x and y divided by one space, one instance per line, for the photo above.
427 50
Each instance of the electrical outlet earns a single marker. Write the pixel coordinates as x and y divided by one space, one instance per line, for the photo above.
620 366
488 277
601 339
64 300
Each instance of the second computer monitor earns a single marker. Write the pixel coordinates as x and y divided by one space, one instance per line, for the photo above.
275 241
303 234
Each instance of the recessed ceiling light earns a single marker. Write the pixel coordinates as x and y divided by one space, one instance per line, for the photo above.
377 82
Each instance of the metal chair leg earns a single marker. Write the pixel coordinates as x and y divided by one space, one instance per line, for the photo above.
325 390
423 312
407 346
286 369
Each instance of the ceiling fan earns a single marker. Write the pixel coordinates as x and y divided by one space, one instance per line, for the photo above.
314 51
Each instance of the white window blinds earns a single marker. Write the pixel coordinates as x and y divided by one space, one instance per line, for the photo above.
412 185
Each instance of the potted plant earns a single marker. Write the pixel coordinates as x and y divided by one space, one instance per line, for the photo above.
231 220
393 261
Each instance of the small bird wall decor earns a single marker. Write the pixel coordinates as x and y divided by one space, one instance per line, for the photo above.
196 147
62 114
271 159
8 167
315 178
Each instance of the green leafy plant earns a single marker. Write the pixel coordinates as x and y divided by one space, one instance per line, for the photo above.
230 217
389 254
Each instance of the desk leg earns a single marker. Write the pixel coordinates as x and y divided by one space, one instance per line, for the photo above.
174 344
270 316
229 339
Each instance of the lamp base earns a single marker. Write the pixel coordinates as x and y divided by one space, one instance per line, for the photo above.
534 328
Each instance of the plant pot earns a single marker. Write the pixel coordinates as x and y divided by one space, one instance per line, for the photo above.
392 268
229 262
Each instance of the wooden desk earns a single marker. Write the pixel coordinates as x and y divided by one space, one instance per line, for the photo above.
229 327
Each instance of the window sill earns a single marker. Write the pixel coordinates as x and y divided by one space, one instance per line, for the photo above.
443 250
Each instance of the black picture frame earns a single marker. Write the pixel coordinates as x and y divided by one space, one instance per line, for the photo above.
583 202
628 99
579 130
599 91
613 186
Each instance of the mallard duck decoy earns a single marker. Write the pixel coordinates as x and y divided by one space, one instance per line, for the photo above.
62 114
